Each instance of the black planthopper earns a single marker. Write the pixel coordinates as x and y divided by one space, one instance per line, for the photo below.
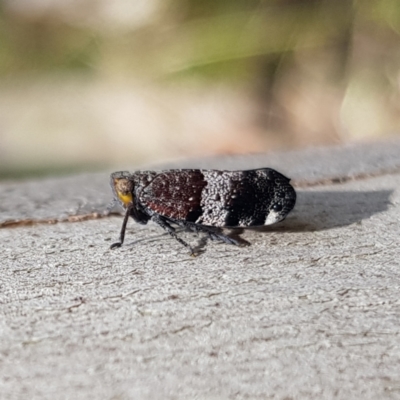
203 200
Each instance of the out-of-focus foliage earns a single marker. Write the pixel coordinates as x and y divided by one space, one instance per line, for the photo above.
222 39
315 72
217 38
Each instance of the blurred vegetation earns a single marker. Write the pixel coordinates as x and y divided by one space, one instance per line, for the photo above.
218 39
287 52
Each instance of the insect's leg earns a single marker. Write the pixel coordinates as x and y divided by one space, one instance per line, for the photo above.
222 237
123 229
164 224
213 233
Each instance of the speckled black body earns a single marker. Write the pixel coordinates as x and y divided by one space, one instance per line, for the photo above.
204 200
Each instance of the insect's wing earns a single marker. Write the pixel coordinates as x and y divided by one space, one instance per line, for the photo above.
236 198
175 194
245 198
220 198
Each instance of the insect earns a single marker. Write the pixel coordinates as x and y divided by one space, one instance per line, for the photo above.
203 200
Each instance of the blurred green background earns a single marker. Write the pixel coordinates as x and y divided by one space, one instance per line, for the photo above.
89 84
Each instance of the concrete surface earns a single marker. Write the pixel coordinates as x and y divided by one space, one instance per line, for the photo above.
311 310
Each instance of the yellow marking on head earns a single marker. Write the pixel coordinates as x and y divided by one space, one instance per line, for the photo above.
123 187
125 198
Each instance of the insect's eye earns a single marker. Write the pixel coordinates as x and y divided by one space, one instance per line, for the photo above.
277 207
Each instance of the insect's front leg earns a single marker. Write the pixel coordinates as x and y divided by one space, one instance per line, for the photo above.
165 225
123 229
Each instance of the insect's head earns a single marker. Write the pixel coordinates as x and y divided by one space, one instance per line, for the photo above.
122 186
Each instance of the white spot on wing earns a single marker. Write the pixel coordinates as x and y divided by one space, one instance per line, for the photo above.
272 218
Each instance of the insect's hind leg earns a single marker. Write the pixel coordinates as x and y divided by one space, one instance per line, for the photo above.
213 232
165 225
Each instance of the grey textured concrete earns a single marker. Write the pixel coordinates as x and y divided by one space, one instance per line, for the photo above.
311 310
